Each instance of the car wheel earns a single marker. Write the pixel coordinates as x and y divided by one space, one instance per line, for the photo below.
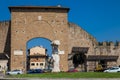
18 73
8 73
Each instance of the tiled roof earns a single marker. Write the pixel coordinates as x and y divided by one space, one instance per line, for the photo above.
80 49
3 56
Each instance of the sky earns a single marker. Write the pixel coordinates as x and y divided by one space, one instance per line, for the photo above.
45 43
100 18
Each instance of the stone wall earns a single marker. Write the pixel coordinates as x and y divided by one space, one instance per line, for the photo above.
4 36
80 38
109 48
5 42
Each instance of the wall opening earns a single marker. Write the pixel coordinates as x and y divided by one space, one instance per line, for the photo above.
35 49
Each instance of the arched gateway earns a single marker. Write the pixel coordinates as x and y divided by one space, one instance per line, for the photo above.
31 22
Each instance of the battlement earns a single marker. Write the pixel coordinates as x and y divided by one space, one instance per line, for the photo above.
109 43
4 23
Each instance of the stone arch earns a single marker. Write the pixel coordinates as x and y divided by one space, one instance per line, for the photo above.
40 29
39 37
38 42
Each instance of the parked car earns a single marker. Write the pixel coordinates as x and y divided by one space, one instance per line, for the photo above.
72 70
14 72
47 70
113 69
99 68
31 71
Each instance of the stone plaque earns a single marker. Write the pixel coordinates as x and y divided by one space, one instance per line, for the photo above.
61 52
18 52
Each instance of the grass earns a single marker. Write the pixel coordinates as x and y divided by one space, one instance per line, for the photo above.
69 75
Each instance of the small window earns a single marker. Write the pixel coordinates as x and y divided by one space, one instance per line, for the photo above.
37 64
32 64
41 64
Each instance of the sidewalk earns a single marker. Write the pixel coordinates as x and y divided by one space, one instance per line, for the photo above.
60 79
1 75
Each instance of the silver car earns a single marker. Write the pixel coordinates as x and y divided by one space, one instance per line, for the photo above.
14 72
113 69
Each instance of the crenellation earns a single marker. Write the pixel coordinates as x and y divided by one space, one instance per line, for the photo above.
112 43
119 44
109 44
104 43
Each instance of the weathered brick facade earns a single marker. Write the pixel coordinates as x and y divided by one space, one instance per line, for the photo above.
32 22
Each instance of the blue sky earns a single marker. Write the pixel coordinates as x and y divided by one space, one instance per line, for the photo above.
40 42
100 18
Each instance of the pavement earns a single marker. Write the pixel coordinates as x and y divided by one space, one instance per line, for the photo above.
60 79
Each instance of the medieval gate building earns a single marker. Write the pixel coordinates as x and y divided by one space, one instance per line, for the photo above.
31 22
28 22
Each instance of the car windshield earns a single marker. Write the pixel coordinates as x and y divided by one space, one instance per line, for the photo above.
16 70
113 68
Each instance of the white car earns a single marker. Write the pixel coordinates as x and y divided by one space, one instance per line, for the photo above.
14 72
113 69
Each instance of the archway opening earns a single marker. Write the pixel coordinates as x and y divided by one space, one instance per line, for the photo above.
79 59
44 42
38 50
